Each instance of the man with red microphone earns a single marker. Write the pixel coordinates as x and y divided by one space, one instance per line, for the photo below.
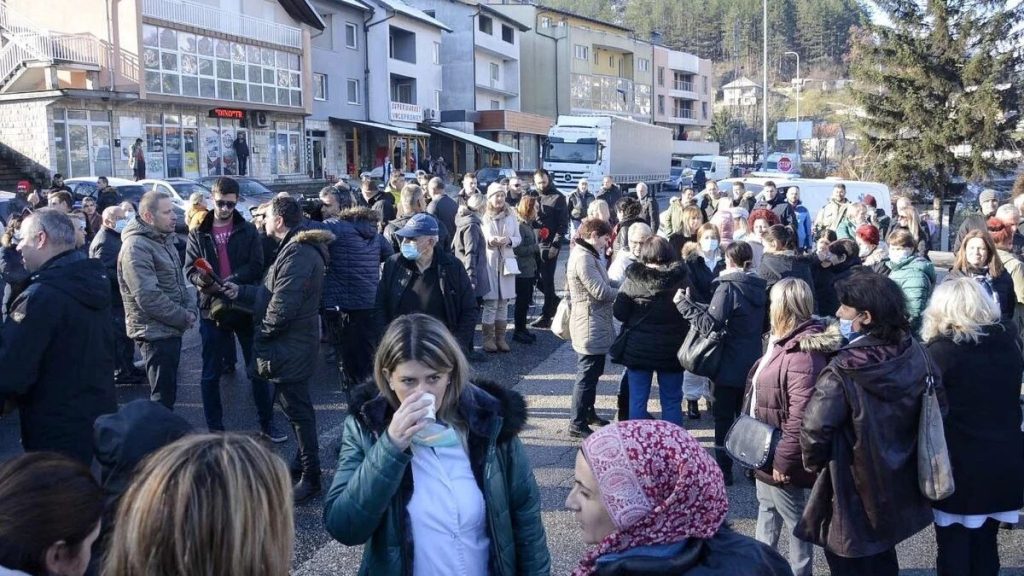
225 252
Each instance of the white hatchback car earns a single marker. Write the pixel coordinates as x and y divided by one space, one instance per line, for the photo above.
181 189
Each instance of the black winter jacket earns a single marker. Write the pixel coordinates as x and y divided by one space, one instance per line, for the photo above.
983 434
56 355
622 233
860 432
444 238
727 553
1001 286
654 328
554 215
459 298
649 211
702 278
245 251
578 204
382 203
444 209
105 247
13 273
775 266
287 308
356 255
738 305
826 279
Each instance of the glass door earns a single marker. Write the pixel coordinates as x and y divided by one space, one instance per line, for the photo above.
99 135
172 147
78 145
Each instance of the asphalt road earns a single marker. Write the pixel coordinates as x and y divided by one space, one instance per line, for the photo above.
542 372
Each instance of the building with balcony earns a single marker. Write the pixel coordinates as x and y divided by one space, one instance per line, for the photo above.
683 99
582 66
186 77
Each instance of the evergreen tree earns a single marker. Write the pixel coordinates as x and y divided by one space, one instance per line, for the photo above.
940 89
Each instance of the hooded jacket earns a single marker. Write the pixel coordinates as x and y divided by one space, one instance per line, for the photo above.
149 273
245 251
860 433
382 203
470 247
368 500
652 326
827 278
356 255
784 386
916 278
287 308
56 355
738 306
702 278
778 265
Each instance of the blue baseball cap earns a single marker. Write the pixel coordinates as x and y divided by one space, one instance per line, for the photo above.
419 225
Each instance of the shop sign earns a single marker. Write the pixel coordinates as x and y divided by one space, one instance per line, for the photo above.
227 114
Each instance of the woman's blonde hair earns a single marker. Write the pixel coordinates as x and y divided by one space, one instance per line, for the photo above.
959 310
206 504
599 209
913 223
792 304
688 212
426 340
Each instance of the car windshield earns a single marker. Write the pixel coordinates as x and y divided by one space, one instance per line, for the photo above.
571 152
696 164
186 189
251 188
132 193
487 174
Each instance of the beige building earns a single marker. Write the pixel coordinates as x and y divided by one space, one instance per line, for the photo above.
683 99
185 76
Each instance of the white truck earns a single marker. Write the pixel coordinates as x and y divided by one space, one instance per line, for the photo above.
715 167
593 147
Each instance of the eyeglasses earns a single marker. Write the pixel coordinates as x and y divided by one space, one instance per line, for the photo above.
226 204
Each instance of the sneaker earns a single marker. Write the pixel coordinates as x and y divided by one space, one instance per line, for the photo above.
580 432
274 435
542 323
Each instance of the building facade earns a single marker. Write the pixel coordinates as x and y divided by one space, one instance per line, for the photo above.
683 99
187 78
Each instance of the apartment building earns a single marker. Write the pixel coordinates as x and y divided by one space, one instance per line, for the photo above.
186 77
683 99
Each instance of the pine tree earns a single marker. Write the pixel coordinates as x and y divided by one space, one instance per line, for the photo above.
940 88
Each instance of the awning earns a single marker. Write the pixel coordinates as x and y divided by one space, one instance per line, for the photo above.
474 140
385 127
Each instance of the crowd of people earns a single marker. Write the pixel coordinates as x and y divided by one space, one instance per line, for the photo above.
832 329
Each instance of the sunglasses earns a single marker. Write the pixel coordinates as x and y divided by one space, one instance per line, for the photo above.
226 204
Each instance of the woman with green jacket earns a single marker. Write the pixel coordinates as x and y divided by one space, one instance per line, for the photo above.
432 477
913 273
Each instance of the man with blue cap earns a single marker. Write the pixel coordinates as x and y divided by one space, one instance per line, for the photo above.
423 279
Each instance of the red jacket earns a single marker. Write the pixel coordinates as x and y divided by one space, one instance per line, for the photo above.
794 364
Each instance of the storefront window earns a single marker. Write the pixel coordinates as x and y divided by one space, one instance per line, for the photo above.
180 63
285 153
60 142
82 142
218 142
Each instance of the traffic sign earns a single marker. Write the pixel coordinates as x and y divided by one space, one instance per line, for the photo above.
785 164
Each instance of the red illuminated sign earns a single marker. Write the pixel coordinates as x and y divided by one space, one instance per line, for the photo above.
227 113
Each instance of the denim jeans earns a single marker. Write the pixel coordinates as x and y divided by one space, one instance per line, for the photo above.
778 506
589 368
215 340
670 391
161 358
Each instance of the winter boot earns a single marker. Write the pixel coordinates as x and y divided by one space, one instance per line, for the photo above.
499 336
489 345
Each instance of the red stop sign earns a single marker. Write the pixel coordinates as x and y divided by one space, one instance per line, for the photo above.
785 164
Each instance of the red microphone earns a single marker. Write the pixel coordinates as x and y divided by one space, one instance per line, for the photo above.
204 266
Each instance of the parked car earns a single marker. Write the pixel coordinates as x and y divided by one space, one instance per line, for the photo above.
181 189
85 186
253 191
378 174
5 212
485 176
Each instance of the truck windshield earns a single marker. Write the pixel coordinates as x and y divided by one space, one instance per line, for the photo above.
571 152
696 164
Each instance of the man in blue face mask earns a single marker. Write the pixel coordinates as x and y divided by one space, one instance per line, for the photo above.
421 278
105 247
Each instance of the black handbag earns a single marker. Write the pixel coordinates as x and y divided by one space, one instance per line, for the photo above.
230 314
701 354
751 442
618 347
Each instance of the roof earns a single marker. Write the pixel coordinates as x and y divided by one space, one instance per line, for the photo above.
414 13
579 16
487 8
741 82
385 127
474 140
303 11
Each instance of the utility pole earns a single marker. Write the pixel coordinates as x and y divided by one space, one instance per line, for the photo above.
764 91
799 84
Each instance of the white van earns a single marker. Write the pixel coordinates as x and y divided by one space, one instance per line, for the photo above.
815 192
715 167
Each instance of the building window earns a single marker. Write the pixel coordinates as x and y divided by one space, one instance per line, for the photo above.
353 91
286 147
437 100
184 64
545 22
704 110
351 35
495 72
661 75
611 61
661 104
486 25
644 64
582 52
705 84
508 34
437 53
495 105
319 86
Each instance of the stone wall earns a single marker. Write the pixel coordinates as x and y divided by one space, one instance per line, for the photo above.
25 136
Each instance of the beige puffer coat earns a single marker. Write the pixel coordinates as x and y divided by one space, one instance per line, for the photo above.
592 297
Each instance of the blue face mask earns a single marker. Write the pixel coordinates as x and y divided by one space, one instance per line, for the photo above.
436 435
846 328
120 225
410 251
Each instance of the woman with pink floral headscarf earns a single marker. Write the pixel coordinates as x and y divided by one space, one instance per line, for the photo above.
651 500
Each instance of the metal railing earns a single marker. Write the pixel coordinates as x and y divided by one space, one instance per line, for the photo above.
38 44
215 19
12 56
685 85
684 113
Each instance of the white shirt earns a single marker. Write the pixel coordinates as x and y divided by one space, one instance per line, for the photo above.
447 514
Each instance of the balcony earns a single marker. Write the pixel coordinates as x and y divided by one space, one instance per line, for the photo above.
217 20
402 112
684 114
684 85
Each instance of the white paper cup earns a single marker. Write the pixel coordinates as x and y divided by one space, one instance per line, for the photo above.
432 413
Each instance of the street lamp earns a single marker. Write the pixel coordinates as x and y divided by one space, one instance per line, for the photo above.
798 85
764 91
